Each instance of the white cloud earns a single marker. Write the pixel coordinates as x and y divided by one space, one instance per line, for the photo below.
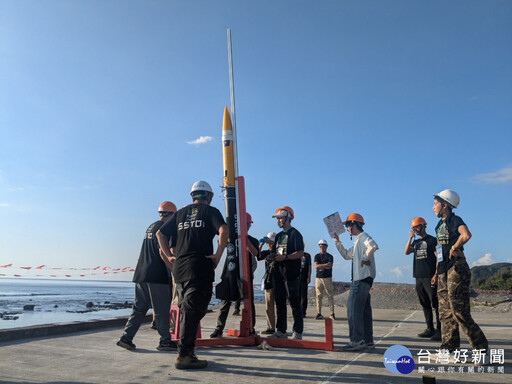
398 271
485 260
4 205
200 140
503 175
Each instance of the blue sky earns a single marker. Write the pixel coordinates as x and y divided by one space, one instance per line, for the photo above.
367 106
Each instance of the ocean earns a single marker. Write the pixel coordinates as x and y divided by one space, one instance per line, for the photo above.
62 301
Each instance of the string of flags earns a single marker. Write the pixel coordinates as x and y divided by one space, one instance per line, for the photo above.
46 271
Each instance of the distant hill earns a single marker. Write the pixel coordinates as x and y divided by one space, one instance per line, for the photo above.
493 277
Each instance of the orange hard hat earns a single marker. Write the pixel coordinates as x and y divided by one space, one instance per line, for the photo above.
248 217
417 221
167 206
354 217
285 208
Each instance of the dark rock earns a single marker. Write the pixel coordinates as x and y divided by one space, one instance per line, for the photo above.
28 307
89 304
55 306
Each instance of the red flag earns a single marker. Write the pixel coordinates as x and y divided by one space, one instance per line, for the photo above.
6 266
41 267
26 267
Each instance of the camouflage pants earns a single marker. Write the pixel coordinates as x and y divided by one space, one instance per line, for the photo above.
454 309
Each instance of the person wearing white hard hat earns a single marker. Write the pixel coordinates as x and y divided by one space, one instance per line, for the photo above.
288 250
191 231
323 282
252 251
270 305
454 276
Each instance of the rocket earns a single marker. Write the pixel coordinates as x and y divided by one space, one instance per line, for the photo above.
230 288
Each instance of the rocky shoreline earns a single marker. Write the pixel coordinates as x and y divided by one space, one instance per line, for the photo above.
403 296
89 307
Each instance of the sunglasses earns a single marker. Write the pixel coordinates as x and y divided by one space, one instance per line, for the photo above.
349 224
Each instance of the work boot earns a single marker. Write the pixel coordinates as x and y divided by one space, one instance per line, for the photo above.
319 316
126 344
189 362
429 332
167 345
436 336
216 333
236 312
268 331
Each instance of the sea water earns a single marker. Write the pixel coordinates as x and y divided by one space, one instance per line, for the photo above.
61 301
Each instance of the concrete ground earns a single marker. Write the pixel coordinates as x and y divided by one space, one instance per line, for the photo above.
93 357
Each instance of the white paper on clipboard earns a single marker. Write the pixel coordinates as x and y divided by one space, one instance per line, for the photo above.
334 225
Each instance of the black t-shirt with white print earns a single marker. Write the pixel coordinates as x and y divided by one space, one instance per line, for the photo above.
424 264
447 235
287 243
192 230
150 266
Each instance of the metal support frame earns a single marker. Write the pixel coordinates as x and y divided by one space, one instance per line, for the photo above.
241 337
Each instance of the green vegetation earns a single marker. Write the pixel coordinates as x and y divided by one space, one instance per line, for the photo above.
493 277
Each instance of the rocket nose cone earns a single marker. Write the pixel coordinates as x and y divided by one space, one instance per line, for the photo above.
226 123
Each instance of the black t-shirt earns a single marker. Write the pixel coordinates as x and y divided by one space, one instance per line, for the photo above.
424 264
256 244
447 235
150 266
192 230
287 243
324 259
304 266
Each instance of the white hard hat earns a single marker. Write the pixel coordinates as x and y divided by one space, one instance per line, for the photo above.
451 197
322 242
271 235
199 186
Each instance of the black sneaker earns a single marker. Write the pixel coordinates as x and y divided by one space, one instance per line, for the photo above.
216 333
236 312
319 316
167 346
189 362
268 331
429 332
436 336
126 344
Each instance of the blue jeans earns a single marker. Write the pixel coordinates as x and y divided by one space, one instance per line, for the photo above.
359 312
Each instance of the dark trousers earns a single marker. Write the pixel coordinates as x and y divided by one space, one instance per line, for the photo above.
283 290
427 295
303 291
225 305
194 297
149 295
